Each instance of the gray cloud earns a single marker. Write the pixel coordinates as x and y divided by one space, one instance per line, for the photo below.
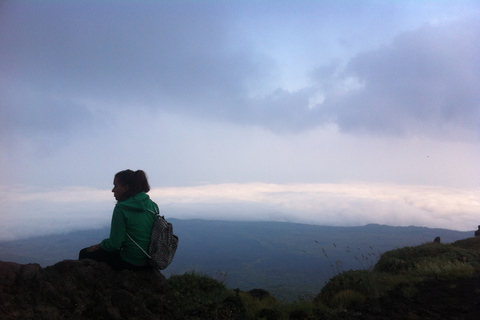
38 114
174 57
126 52
425 78
189 58
425 82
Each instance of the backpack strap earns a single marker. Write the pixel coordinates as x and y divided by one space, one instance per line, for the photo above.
155 213
138 246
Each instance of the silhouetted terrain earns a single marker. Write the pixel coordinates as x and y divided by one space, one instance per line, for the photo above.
431 281
287 259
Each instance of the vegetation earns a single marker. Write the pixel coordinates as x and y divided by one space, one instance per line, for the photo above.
195 296
402 272
287 259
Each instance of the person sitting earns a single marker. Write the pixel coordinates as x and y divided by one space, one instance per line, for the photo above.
131 216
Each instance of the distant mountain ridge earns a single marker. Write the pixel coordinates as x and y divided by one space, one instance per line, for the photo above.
288 259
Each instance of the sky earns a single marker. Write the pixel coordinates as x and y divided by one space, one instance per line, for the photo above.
323 112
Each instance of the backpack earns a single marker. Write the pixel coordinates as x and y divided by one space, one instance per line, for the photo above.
163 243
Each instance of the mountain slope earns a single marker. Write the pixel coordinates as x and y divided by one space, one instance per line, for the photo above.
399 287
285 258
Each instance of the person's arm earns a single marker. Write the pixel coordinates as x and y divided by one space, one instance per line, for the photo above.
117 232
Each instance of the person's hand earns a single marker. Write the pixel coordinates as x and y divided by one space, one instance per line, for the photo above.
94 248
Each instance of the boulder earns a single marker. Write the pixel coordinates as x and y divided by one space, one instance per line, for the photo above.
81 289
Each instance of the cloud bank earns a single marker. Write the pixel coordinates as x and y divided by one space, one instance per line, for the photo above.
40 212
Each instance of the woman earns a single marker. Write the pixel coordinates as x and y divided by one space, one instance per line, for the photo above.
131 216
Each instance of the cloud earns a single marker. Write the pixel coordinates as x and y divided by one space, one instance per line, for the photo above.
212 93
425 82
334 204
128 52
32 114
32 211
183 151
194 59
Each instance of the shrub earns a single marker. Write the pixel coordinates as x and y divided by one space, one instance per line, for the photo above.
430 260
347 298
441 269
409 291
390 264
255 306
470 244
199 295
368 283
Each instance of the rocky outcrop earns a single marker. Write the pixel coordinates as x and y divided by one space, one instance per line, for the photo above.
81 289
86 289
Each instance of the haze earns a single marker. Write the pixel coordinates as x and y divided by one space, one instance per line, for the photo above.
322 112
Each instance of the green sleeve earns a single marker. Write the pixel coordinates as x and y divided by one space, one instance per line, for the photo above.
117 232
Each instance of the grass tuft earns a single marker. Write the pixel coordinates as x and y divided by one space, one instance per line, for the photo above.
347 298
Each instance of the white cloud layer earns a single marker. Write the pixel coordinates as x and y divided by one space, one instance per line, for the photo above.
39 212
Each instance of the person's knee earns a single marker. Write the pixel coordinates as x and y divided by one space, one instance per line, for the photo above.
83 254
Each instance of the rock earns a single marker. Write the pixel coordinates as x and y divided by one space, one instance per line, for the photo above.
81 289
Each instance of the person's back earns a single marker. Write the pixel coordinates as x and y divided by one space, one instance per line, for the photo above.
131 216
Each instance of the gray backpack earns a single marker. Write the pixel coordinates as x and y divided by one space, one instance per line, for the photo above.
163 243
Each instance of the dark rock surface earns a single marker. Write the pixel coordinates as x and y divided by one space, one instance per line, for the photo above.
85 289
81 289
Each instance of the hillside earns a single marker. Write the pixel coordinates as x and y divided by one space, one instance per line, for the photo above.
429 281
288 259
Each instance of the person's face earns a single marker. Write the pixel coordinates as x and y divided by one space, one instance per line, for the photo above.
119 190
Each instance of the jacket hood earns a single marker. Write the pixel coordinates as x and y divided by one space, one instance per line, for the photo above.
137 202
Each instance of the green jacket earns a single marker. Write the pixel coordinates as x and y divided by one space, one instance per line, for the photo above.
131 216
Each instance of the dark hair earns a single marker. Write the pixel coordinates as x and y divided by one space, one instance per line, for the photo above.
136 181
